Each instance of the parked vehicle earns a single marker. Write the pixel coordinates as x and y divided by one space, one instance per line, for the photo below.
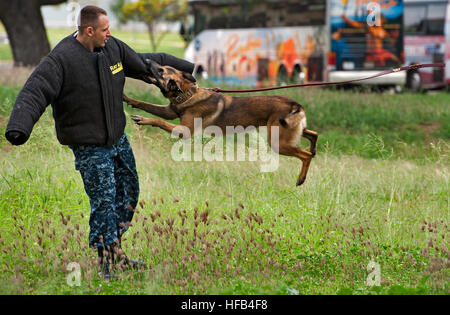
266 42
427 40
259 42
366 38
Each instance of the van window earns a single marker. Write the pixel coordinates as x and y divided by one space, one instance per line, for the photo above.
436 19
414 19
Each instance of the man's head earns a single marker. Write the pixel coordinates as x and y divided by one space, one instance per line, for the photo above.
93 26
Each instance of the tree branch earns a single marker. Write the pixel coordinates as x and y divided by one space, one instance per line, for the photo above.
4 4
51 2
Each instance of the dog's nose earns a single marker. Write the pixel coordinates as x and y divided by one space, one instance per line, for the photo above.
153 68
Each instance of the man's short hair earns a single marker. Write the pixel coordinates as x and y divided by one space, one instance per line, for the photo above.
89 17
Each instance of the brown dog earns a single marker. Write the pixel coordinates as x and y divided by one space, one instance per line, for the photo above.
188 101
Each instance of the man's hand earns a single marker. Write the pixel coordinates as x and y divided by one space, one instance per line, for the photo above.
16 137
153 70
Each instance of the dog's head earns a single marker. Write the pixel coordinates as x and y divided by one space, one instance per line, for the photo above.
170 81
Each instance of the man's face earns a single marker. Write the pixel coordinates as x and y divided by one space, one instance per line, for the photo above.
101 32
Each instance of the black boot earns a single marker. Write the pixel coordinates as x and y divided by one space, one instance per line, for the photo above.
124 262
106 262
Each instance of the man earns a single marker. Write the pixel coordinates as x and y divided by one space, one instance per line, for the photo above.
83 79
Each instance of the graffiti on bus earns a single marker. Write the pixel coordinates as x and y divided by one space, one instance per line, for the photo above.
367 34
256 56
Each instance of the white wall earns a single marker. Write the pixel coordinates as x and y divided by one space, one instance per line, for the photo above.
62 16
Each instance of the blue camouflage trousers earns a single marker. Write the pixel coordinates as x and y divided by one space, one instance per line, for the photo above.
112 185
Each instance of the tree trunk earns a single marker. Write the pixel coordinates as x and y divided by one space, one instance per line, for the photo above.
151 34
25 28
154 39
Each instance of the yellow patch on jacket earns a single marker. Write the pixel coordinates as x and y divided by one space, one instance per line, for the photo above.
116 68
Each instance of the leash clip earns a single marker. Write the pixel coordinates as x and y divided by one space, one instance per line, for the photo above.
415 66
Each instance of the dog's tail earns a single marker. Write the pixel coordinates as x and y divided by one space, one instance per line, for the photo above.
295 116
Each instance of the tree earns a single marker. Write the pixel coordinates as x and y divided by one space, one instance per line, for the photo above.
25 28
151 12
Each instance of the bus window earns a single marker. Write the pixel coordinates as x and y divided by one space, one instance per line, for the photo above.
436 19
215 14
414 19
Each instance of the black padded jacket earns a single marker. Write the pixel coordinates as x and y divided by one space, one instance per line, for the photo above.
85 90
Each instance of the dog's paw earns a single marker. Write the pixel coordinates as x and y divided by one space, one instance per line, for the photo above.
300 181
128 100
139 120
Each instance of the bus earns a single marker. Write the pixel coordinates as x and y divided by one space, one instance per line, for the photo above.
427 40
259 43
366 38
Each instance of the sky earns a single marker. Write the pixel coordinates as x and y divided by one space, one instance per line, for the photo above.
63 15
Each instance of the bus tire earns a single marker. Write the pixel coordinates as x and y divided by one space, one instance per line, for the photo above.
297 75
413 82
282 76
201 74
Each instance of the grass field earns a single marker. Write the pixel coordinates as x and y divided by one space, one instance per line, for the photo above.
377 192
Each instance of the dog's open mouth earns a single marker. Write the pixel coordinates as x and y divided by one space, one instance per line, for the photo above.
150 80
154 75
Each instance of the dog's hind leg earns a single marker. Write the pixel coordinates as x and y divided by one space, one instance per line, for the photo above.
306 160
287 145
303 155
312 137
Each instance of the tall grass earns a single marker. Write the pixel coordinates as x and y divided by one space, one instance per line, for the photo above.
222 227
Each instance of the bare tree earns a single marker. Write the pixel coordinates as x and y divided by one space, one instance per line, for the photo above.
151 12
26 30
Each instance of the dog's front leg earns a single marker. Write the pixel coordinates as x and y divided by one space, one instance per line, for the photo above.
178 130
132 102
161 111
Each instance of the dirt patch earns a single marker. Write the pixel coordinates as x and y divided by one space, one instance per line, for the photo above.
16 76
6 148
429 129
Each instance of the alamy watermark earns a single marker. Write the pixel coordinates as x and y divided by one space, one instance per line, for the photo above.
250 145
74 11
374 276
374 17
74 277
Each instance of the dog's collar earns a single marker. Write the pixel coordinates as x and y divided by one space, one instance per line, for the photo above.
184 96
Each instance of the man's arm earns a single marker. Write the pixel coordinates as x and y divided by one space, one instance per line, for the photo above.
136 65
39 91
168 60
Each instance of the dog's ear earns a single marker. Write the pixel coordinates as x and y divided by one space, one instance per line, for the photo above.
189 76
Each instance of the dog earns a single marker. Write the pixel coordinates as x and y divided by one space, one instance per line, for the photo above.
188 101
